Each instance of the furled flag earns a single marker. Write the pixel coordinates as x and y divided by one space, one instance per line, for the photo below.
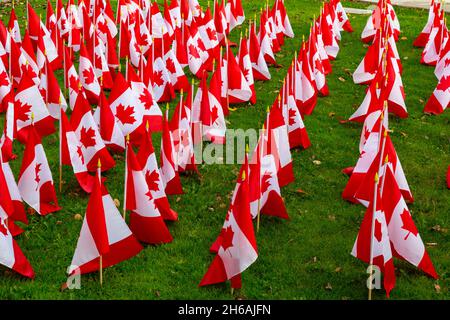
105 238
374 247
35 178
7 138
28 102
108 127
5 87
238 88
146 222
11 256
282 20
298 136
322 53
14 28
265 42
280 151
265 193
234 13
259 64
383 10
305 84
169 171
51 92
180 128
443 63
72 80
86 130
125 105
236 245
326 30
147 159
245 65
440 98
422 38
317 65
405 240
72 155
437 39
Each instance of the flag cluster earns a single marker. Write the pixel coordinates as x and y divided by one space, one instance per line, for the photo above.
270 166
378 181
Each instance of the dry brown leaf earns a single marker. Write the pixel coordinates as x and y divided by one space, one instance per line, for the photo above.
432 244
338 269
341 79
332 217
331 114
317 162
116 202
437 288
78 217
328 286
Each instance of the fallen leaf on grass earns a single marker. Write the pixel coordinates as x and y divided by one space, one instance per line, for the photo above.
317 162
432 244
78 217
332 217
331 114
341 79
116 202
328 286
338 269
404 38
403 134
300 191
437 288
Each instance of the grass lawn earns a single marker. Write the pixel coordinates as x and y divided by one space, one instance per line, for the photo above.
307 257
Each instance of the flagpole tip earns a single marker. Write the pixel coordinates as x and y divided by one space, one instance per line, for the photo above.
99 163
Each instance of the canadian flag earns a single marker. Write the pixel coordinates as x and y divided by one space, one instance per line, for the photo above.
86 130
72 80
163 89
169 171
11 205
174 12
62 21
239 90
147 160
212 119
360 185
260 69
444 61
75 26
234 13
51 24
305 89
265 193
236 245
342 18
265 41
175 71
281 150
11 256
440 98
282 21
51 92
28 102
383 10
179 46
422 38
331 45
72 154
125 105
220 21
151 112
7 138
108 127
5 87
35 178
375 248
298 136
104 235
180 128
102 71
145 220
14 28
245 65
196 55
88 77
210 40
436 41
323 56
366 70
317 65
405 240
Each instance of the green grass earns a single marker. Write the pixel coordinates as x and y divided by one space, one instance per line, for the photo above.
297 258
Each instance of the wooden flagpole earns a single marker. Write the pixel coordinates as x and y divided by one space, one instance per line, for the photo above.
261 155
100 269
60 145
127 141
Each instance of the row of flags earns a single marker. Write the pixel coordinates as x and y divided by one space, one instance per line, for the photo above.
434 39
269 166
378 181
87 41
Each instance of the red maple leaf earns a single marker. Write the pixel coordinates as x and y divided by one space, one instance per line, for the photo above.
146 99
125 114
184 138
447 62
201 45
87 137
23 111
37 169
28 70
158 79
214 115
408 224
144 40
227 238
292 116
3 79
43 92
444 84
102 27
152 179
74 83
246 73
340 17
137 47
170 66
193 52
212 34
318 65
3 229
80 154
377 232
88 75
265 182
149 195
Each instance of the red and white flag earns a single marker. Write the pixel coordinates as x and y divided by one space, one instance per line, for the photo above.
197 54
103 234
239 90
169 171
146 222
245 65
7 138
236 245
305 91
422 38
234 13
35 178
88 77
11 256
86 130
436 41
5 87
14 28
440 98
259 64
147 159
